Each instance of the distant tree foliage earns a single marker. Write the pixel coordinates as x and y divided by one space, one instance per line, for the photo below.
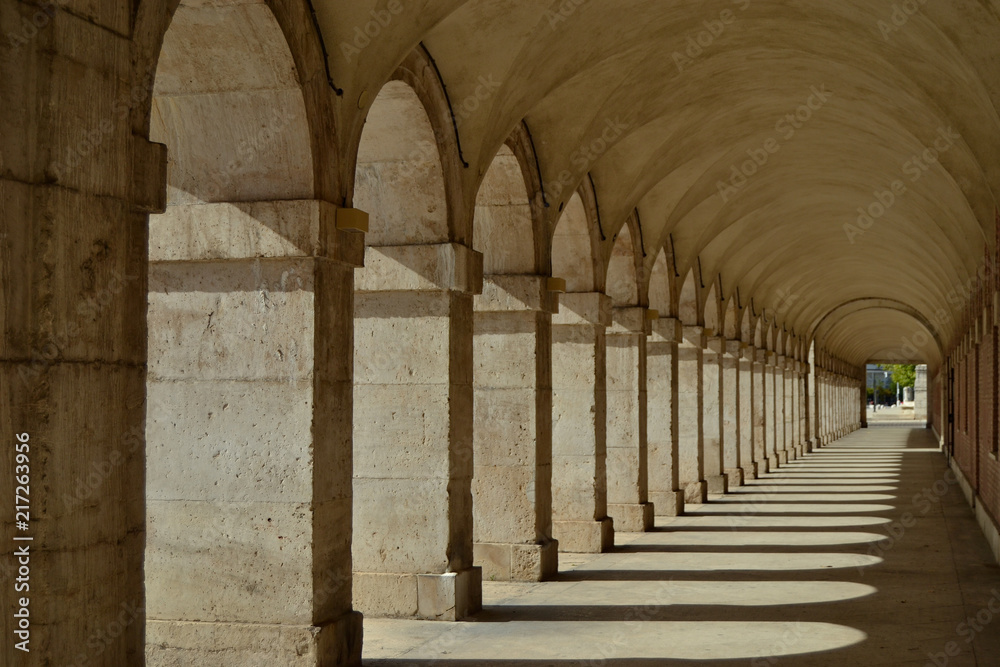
904 374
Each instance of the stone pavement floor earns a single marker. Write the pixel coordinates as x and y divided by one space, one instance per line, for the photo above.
862 553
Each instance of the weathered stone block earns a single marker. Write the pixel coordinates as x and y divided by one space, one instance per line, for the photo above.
585 536
632 517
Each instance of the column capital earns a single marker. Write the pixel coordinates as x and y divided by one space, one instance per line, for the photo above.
667 330
716 344
629 321
309 228
694 335
516 293
439 267
734 348
576 308
760 357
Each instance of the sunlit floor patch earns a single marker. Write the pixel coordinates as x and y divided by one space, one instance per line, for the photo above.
648 595
715 507
707 561
751 520
763 496
765 487
560 641
682 537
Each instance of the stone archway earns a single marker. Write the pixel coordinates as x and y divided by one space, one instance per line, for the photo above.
248 495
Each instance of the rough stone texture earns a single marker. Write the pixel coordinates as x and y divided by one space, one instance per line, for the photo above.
579 423
690 423
712 402
171 644
413 426
662 426
512 430
731 401
920 402
72 349
748 458
627 463
772 413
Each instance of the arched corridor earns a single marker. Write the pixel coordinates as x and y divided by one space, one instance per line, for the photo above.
536 328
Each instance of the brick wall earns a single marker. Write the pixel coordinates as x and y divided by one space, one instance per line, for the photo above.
965 443
989 468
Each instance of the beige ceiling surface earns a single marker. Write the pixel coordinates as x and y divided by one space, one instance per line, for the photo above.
614 88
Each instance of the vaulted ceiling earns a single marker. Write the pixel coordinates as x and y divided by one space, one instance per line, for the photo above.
665 102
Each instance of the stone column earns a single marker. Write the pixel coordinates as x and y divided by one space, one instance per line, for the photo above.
920 411
73 351
731 400
797 437
665 492
413 318
712 399
789 391
806 414
780 410
760 421
512 429
841 420
628 486
690 416
863 400
579 423
248 430
772 413
823 401
745 370
818 419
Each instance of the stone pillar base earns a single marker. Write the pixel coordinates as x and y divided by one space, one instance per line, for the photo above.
763 467
772 462
718 484
517 562
808 446
668 503
632 518
735 476
452 596
750 471
170 643
696 493
586 537
783 456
